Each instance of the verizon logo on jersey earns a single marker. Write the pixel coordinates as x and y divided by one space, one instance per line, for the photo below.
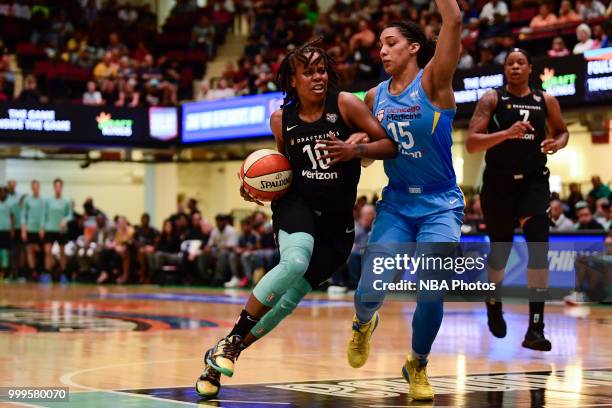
319 175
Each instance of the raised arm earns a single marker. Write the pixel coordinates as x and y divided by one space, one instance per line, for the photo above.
439 71
556 124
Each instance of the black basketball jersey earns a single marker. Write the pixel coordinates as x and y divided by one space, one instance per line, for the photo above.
321 185
515 156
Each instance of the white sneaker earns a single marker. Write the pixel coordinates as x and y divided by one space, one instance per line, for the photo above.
233 283
575 298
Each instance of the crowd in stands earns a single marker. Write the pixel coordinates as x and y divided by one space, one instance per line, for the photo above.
573 213
112 52
349 32
47 238
109 52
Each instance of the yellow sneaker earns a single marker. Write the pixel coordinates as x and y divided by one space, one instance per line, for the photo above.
223 356
416 375
359 346
209 383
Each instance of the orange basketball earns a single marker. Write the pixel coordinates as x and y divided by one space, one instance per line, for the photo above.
266 174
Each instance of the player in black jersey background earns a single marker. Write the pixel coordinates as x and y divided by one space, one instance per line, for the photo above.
517 126
313 222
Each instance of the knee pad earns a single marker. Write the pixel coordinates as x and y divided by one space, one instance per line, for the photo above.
536 231
295 260
296 251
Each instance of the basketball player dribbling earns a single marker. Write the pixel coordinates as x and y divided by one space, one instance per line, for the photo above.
510 123
313 222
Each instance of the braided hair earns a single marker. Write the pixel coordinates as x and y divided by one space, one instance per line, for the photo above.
305 55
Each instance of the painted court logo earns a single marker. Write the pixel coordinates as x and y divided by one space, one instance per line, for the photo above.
88 319
114 127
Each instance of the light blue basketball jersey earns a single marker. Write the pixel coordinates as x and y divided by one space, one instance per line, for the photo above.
423 167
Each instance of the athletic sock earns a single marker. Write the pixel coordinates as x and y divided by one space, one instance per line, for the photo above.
423 358
536 315
244 325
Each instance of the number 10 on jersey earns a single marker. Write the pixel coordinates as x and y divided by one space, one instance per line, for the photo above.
323 164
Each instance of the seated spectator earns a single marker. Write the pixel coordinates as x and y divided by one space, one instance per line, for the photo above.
148 70
128 95
222 242
486 56
545 18
152 93
30 93
171 79
560 221
140 52
124 236
363 38
558 48
203 35
493 7
264 84
260 66
84 59
567 14
106 69
585 43
229 72
145 239
110 92
471 30
599 190
167 249
602 210
574 197
245 255
91 245
221 91
115 46
125 70
591 9
600 39
507 42
92 96
585 218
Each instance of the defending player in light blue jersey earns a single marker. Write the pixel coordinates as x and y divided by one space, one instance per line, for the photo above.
422 203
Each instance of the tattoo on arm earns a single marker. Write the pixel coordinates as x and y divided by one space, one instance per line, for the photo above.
362 149
482 113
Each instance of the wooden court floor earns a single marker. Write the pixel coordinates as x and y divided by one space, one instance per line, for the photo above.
142 346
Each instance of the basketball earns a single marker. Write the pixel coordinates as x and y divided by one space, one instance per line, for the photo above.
266 174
